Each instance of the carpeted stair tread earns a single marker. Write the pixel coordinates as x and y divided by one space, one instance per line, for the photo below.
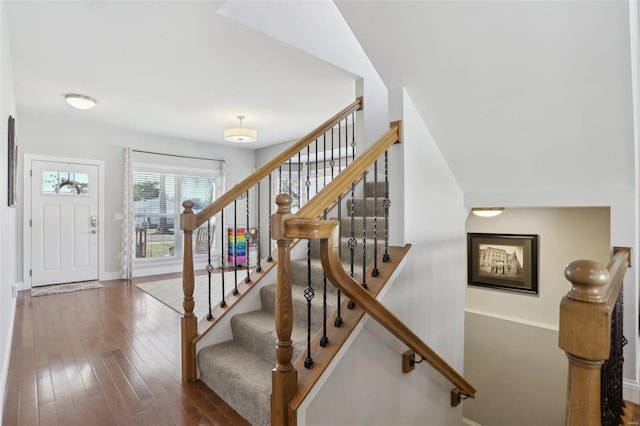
358 209
256 332
375 189
299 274
358 221
241 378
268 297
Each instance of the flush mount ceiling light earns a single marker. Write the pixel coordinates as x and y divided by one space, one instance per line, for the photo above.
80 101
240 134
487 211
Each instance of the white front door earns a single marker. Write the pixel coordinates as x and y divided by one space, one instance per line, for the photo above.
64 222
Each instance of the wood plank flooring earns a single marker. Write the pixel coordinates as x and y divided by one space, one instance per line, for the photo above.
103 357
632 414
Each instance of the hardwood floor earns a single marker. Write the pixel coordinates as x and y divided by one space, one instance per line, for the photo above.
103 357
109 357
632 414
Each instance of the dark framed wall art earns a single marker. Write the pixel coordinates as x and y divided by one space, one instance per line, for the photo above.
503 261
12 162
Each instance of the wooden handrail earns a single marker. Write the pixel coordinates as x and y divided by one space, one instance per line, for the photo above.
586 314
264 171
328 233
351 174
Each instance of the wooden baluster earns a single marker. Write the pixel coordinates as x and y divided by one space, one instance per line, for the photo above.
189 322
585 333
284 378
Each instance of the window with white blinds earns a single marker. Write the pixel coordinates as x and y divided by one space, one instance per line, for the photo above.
158 193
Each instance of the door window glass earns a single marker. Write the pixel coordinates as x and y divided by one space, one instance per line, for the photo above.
65 182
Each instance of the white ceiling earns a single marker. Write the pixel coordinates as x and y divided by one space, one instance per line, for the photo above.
169 68
525 95
519 95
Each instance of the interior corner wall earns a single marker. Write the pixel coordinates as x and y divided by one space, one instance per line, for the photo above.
511 339
73 135
8 268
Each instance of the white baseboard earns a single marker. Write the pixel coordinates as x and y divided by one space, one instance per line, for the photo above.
631 391
6 355
466 421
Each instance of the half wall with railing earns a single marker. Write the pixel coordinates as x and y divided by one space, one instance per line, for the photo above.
302 169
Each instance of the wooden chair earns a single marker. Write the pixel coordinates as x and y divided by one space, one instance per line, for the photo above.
201 243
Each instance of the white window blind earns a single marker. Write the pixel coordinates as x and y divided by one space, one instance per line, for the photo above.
160 185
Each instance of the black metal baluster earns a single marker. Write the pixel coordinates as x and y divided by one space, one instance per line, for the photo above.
270 258
352 243
324 340
353 136
235 246
308 294
299 181
346 142
209 266
338 321
612 403
307 182
332 163
257 236
340 148
290 189
364 231
279 180
308 291
386 203
375 271
247 236
223 303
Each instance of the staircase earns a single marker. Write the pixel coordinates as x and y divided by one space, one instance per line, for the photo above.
239 370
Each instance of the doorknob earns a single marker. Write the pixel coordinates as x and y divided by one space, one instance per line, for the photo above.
94 222
93 231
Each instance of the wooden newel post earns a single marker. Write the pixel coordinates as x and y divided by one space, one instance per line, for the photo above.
585 336
284 378
189 320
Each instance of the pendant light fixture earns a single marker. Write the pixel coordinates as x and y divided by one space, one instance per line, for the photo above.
80 101
240 134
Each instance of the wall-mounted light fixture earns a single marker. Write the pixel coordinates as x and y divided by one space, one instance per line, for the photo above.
487 211
240 134
80 101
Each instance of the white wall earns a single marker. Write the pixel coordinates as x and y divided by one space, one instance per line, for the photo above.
428 296
511 339
82 138
564 235
8 225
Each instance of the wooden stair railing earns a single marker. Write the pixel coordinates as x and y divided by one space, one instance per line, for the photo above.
189 221
306 225
591 335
